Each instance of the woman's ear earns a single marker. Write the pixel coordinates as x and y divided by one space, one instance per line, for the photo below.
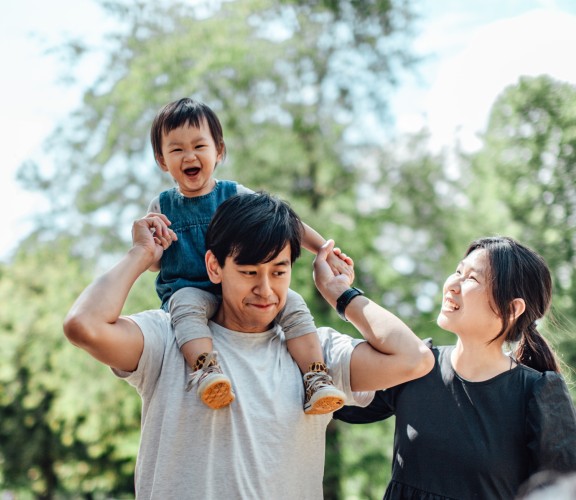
517 307
213 267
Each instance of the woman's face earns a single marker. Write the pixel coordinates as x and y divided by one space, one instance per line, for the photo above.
467 299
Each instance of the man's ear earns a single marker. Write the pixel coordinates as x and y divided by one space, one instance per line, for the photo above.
517 307
213 267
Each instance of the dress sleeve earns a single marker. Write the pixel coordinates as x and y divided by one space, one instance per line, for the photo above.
381 408
383 405
551 425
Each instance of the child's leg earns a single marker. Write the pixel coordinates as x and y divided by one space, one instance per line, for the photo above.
305 348
190 309
194 348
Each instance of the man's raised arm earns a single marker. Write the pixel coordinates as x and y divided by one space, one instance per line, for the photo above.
393 353
94 322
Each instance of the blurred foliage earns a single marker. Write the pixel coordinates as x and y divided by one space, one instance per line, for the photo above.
67 425
291 81
527 174
296 85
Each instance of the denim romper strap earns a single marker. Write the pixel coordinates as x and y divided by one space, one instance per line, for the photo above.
182 263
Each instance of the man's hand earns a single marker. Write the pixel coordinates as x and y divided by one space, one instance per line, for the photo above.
152 234
331 284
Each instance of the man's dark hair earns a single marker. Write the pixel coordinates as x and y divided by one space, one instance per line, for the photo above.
254 228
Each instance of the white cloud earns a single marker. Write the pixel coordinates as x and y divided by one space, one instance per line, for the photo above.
495 56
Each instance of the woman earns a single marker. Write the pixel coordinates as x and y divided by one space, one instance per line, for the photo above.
482 421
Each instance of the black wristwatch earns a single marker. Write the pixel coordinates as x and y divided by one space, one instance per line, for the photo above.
345 299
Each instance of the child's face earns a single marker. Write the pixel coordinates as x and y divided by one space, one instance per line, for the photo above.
190 156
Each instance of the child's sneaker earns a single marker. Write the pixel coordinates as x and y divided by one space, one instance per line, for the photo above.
321 395
214 388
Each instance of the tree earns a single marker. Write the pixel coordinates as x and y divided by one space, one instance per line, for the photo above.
526 170
291 81
67 425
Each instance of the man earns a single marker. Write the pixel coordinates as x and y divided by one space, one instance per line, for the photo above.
262 445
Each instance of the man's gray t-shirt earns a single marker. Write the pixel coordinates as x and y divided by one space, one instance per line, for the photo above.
261 446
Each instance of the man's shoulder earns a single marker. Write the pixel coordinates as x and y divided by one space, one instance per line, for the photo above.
337 346
152 322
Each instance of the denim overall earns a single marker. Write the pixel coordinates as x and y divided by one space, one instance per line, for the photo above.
182 263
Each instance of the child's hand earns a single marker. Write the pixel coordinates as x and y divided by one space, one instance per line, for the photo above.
163 235
339 262
329 282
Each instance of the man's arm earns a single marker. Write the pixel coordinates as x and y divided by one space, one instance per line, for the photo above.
393 353
94 322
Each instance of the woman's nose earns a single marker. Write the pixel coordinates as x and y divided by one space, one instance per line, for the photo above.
453 283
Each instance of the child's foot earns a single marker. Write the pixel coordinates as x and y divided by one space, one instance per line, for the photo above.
321 395
214 388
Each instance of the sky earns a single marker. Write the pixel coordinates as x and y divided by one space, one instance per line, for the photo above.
473 49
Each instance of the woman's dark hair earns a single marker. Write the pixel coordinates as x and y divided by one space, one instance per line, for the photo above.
516 271
189 112
254 228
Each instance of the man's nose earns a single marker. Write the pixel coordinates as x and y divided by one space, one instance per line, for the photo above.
263 287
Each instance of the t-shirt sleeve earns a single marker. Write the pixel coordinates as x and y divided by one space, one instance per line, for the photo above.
551 425
337 349
156 329
155 206
240 189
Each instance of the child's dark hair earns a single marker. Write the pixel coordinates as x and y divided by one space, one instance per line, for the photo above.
254 228
189 112
516 271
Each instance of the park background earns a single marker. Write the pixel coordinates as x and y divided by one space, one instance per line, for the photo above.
403 129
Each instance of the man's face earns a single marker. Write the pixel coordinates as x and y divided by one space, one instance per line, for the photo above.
252 295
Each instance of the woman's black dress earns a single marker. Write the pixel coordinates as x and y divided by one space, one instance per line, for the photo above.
456 439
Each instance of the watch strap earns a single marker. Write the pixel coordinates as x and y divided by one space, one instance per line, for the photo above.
345 299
